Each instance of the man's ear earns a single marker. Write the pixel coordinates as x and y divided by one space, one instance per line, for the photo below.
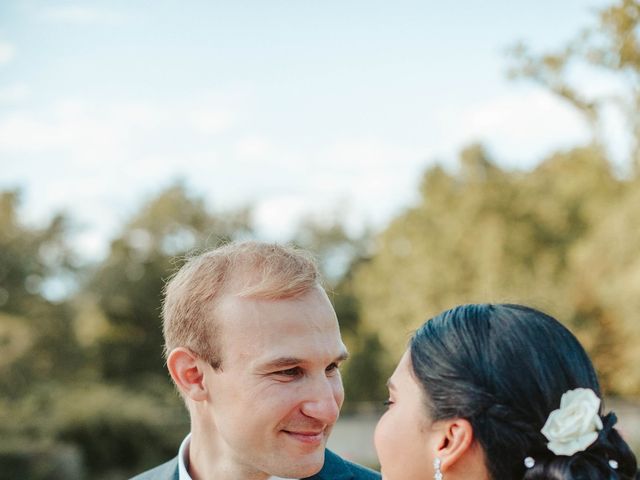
187 373
456 440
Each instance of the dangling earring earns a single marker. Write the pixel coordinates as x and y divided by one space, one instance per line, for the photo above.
436 466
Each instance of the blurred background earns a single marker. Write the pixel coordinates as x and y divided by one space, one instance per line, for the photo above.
429 154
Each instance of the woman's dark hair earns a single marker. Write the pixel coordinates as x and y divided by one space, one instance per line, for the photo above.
504 369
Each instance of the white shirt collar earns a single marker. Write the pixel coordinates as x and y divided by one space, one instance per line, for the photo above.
183 461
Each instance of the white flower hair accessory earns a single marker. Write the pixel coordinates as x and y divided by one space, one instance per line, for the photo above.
575 425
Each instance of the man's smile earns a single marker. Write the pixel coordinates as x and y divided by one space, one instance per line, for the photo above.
308 437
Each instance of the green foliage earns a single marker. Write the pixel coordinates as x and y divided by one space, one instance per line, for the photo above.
366 372
36 336
484 234
335 248
112 428
607 289
609 49
128 284
28 256
119 428
41 462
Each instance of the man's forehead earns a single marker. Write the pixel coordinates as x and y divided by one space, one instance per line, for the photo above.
265 330
233 308
302 343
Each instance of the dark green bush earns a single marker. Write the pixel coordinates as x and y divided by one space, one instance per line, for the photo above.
119 430
41 462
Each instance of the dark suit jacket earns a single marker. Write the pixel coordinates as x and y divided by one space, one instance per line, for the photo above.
335 468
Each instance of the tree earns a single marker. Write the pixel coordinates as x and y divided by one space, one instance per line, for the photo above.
611 48
128 285
38 342
486 234
607 270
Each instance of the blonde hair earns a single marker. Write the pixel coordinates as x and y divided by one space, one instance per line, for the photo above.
247 269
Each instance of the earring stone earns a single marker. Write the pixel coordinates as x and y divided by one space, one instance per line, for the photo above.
436 466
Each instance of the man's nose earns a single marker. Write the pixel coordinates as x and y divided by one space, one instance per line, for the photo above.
323 401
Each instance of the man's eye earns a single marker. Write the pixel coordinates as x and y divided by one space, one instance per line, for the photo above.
290 372
333 368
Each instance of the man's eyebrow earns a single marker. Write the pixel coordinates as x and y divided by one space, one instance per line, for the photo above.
282 362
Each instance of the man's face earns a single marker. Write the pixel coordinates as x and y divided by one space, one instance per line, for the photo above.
279 391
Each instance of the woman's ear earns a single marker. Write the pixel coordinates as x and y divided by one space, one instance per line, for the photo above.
456 439
187 373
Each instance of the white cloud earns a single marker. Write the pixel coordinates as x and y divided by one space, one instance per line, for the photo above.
7 52
14 93
133 139
618 137
599 83
213 112
81 15
519 127
276 216
361 156
360 181
377 176
21 133
96 160
66 128
253 147
89 132
210 121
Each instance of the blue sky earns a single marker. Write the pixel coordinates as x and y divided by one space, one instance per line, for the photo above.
296 107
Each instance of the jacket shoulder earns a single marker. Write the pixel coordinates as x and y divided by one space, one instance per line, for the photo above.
337 467
166 471
362 473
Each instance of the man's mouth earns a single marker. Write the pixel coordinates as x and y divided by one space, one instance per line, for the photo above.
308 437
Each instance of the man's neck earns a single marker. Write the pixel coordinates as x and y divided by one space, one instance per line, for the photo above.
208 460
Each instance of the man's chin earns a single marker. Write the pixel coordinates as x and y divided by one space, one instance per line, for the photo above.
299 472
302 466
